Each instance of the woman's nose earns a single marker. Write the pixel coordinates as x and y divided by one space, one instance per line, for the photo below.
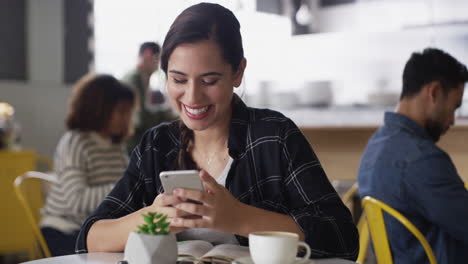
193 92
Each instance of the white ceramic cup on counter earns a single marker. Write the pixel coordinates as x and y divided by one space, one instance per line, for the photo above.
273 247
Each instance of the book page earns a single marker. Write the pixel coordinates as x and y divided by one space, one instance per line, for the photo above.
193 249
226 253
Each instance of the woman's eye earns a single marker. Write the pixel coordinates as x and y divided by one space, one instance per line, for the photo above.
209 82
179 80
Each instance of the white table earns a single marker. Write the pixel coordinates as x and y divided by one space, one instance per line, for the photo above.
89 258
113 258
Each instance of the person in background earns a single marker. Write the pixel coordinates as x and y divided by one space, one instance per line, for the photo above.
258 169
90 157
152 108
403 167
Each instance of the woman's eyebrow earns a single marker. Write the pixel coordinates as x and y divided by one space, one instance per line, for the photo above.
211 73
177 72
202 75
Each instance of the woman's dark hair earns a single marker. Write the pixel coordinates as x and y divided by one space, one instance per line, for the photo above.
202 21
432 65
93 99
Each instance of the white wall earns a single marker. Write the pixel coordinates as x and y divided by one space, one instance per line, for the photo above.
45 40
363 47
356 61
40 109
40 103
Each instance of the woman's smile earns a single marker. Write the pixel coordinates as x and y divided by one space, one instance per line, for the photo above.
197 112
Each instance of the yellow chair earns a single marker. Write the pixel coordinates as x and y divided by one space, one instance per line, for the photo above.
14 226
361 226
28 189
349 194
373 209
16 236
363 238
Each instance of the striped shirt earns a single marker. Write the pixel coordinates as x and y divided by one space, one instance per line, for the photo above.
87 167
274 168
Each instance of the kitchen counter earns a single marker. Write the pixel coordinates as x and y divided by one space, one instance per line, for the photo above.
339 136
336 116
343 116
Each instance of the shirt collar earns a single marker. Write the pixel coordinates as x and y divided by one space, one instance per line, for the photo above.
392 119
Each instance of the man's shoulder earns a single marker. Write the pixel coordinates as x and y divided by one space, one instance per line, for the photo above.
131 78
130 74
390 152
403 143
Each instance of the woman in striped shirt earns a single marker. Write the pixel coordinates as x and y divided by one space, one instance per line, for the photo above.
89 158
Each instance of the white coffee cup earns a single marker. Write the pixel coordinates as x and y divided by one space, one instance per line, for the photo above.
273 247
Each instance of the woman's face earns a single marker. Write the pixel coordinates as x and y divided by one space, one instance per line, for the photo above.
119 125
200 84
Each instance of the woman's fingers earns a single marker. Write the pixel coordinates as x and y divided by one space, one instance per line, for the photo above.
164 204
202 197
190 223
194 209
210 183
176 229
169 211
166 200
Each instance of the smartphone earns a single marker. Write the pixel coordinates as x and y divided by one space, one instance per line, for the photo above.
186 179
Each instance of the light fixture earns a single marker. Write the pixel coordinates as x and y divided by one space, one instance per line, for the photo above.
303 15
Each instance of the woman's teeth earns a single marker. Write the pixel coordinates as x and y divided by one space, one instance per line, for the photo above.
196 111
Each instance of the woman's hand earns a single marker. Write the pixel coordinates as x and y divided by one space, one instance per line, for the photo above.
218 209
164 204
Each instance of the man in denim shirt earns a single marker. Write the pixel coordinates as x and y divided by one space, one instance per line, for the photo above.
403 167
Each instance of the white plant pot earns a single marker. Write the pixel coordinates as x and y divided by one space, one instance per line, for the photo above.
151 249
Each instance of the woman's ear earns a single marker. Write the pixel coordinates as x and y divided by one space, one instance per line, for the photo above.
240 73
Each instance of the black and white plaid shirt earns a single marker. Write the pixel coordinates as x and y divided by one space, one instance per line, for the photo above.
274 168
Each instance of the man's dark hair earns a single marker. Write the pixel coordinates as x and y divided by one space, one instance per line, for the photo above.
153 46
432 65
93 101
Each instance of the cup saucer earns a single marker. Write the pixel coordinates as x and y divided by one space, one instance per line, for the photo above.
248 260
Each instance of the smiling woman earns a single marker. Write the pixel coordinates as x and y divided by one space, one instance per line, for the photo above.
202 94
257 168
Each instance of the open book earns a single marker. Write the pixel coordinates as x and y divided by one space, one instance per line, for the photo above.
199 251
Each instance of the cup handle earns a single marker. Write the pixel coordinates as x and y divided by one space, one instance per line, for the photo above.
307 248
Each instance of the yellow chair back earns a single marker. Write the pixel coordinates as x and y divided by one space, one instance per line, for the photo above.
28 188
15 233
363 238
361 226
373 209
349 194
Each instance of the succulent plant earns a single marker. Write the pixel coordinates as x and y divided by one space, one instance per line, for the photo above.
155 224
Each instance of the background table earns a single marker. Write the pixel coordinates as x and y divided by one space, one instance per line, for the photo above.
113 258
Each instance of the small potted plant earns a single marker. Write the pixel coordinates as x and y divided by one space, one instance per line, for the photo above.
152 243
